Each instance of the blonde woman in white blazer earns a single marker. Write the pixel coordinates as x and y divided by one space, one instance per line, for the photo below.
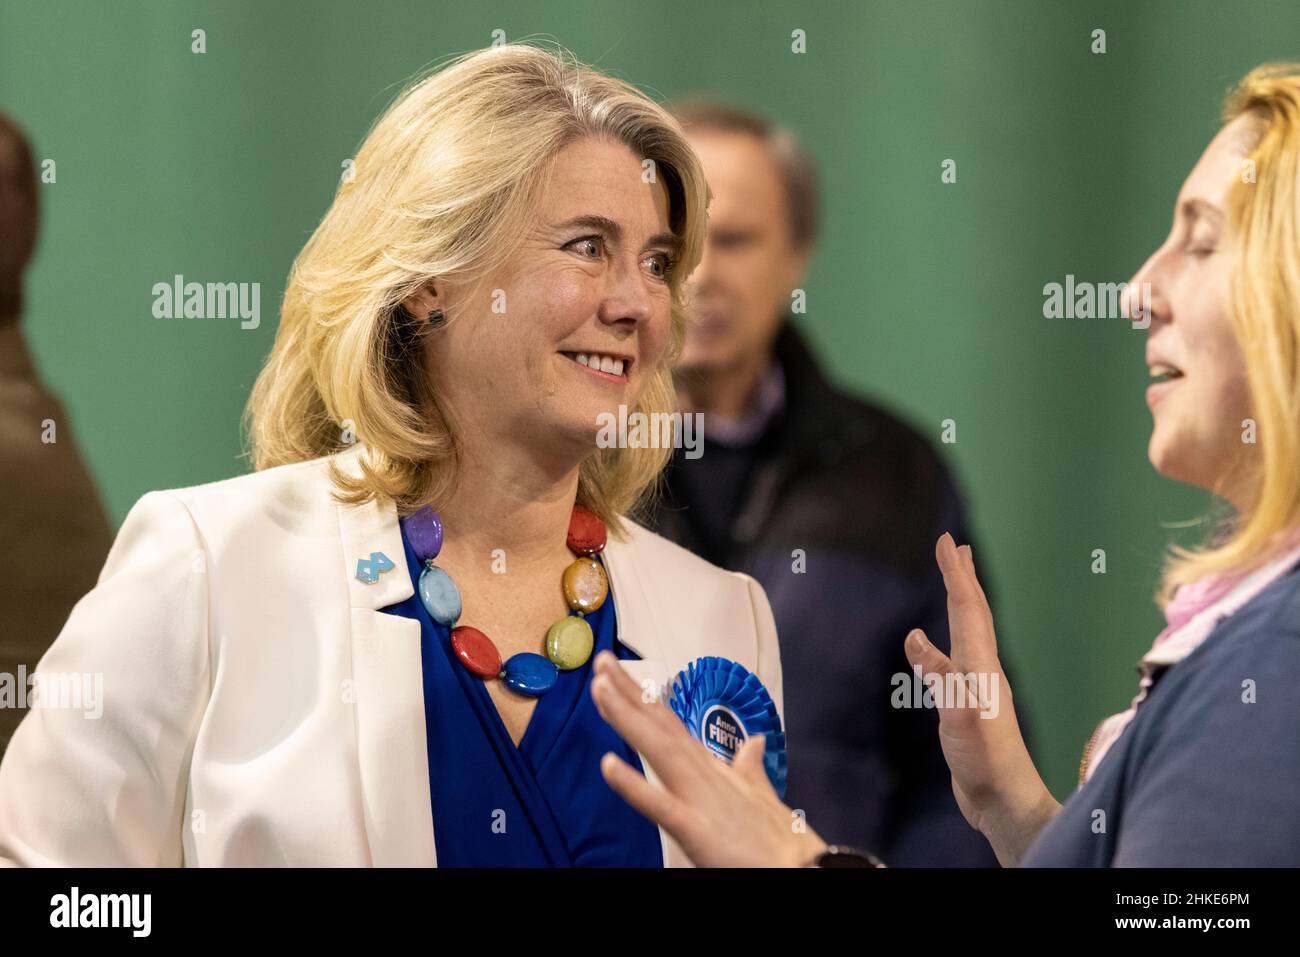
503 271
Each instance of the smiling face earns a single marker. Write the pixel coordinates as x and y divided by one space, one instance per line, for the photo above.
587 310
1201 395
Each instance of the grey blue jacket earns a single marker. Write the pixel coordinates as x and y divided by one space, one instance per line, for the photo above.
1207 773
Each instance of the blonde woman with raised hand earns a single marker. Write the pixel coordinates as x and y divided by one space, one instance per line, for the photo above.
1204 768
379 652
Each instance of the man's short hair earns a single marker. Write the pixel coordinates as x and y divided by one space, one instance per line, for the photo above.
793 167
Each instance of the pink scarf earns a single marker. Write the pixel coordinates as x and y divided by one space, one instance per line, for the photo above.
1190 600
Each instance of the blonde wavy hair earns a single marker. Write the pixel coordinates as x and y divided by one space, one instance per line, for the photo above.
443 187
1264 306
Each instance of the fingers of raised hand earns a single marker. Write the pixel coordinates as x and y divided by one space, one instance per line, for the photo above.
969 557
649 727
958 569
748 762
921 653
970 621
655 803
936 669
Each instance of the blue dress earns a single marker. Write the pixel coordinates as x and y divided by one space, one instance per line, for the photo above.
543 803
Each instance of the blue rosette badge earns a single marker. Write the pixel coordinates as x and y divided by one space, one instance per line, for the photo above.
721 703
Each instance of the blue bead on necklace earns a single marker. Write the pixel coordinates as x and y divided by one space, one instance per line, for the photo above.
569 640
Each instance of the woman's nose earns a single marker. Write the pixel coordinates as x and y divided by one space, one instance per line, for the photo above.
1136 300
1143 298
627 300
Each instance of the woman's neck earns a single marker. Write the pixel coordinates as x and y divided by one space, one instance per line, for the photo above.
510 498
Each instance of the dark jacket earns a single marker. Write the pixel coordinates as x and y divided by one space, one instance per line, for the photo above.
858 499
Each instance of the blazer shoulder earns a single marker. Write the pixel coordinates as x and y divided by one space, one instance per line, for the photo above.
234 518
698 588
289 493
701 609
670 559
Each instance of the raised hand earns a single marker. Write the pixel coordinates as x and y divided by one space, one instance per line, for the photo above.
993 777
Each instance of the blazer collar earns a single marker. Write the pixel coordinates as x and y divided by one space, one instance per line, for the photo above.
369 529
639 627
388 690
387 693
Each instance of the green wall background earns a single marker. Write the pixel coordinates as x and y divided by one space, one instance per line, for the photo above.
925 295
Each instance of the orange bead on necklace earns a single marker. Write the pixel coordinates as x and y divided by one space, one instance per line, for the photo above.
568 641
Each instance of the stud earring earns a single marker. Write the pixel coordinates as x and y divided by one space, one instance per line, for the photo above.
436 318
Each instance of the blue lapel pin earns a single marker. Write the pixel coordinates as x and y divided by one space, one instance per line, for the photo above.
369 569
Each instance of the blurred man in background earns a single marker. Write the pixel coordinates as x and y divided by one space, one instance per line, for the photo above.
830 502
53 533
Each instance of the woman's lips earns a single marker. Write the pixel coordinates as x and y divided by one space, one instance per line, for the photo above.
1158 390
607 376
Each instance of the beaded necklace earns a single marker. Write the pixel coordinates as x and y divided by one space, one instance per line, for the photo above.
568 641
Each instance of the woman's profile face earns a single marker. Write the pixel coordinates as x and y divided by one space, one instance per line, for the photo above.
578 318
1199 397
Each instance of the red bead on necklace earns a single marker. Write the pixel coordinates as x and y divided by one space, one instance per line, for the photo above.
569 640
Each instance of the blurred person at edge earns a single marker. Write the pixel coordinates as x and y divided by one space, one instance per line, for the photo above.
1203 769
53 531
790 462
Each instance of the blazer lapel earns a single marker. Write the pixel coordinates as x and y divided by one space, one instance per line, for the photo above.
641 628
387 695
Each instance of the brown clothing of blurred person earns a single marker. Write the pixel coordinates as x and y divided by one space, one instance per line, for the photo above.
54 535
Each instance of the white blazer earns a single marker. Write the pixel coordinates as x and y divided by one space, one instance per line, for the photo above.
257 707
